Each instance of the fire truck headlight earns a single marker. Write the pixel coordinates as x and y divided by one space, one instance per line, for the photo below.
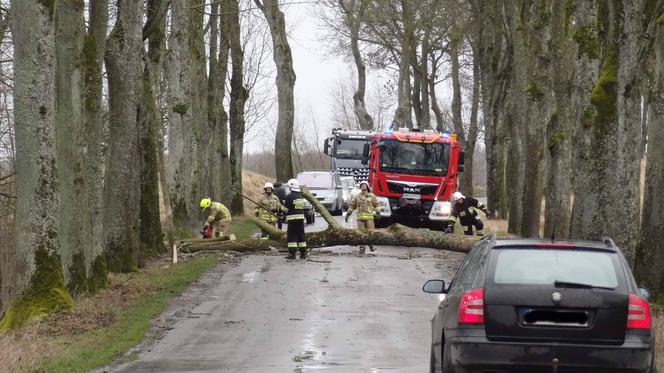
441 210
384 206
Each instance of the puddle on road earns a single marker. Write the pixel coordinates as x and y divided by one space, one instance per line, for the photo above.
249 277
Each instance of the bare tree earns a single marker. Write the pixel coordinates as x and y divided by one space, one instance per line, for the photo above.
283 60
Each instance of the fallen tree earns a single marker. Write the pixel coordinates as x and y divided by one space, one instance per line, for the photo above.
334 235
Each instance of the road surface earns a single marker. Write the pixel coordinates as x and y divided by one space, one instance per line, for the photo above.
337 312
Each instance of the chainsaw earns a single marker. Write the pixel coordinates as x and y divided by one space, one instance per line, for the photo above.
207 231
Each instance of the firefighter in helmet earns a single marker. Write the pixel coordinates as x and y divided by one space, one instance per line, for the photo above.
465 208
294 204
366 205
270 207
218 216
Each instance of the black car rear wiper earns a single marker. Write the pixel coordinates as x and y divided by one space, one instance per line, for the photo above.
568 284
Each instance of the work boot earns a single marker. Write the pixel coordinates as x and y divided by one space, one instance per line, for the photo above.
371 248
363 250
291 254
303 253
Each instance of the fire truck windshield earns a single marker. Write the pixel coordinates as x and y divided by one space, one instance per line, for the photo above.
350 148
414 158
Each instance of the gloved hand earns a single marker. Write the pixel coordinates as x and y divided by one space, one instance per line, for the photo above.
347 217
256 213
488 214
377 215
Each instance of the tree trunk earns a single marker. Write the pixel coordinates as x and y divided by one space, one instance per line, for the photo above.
238 98
473 128
181 142
495 52
440 122
122 189
283 60
616 136
217 118
650 256
535 35
423 70
457 121
93 159
39 284
152 242
586 71
515 119
202 186
402 116
559 132
73 227
354 14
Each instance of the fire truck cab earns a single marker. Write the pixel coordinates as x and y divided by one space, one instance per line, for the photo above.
413 174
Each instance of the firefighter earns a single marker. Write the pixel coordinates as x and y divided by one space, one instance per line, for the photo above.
366 205
280 191
465 208
272 205
295 218
218 216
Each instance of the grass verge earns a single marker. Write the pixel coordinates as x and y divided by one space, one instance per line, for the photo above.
242 228
102 327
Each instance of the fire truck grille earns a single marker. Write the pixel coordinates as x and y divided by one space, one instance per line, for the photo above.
359 174
425 190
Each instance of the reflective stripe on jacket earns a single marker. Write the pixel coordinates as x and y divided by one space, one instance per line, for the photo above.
295 205
270 201
366 205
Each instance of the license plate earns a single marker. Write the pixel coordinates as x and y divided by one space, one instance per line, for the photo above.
410 196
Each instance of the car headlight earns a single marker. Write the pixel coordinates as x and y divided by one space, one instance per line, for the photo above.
441 210
384 206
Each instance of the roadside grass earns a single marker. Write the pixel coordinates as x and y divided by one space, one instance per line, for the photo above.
101 327
242 228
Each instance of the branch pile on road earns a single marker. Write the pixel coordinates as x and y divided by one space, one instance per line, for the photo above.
335 234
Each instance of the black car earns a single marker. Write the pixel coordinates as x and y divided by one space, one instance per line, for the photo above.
542 306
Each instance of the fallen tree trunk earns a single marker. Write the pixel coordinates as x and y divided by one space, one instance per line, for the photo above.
335 235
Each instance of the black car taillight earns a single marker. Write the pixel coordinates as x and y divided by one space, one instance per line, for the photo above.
471 307
638 313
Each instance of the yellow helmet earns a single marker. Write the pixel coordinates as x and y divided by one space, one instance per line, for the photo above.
205 203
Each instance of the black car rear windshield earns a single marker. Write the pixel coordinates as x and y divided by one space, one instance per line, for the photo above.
545 266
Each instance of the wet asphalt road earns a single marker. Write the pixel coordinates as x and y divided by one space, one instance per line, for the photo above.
337 312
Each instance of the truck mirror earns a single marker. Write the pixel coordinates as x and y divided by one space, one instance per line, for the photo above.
326 147
462 159
365 161
366 150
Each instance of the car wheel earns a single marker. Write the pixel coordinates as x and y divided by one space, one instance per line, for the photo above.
310 219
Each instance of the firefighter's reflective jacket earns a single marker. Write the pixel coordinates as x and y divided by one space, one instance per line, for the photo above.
466 211
218 213
295 205
366 205
272 203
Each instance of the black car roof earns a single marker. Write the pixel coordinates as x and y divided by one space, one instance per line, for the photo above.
606 244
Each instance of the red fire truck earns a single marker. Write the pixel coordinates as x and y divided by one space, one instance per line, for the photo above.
414 173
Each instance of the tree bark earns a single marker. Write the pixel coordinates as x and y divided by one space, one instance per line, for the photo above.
217 118
402 115
39 285
238 98
122 189
473 127
586 71
152 242
73 226
283 60
181 141
354 14
557 214
457 121
650 255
